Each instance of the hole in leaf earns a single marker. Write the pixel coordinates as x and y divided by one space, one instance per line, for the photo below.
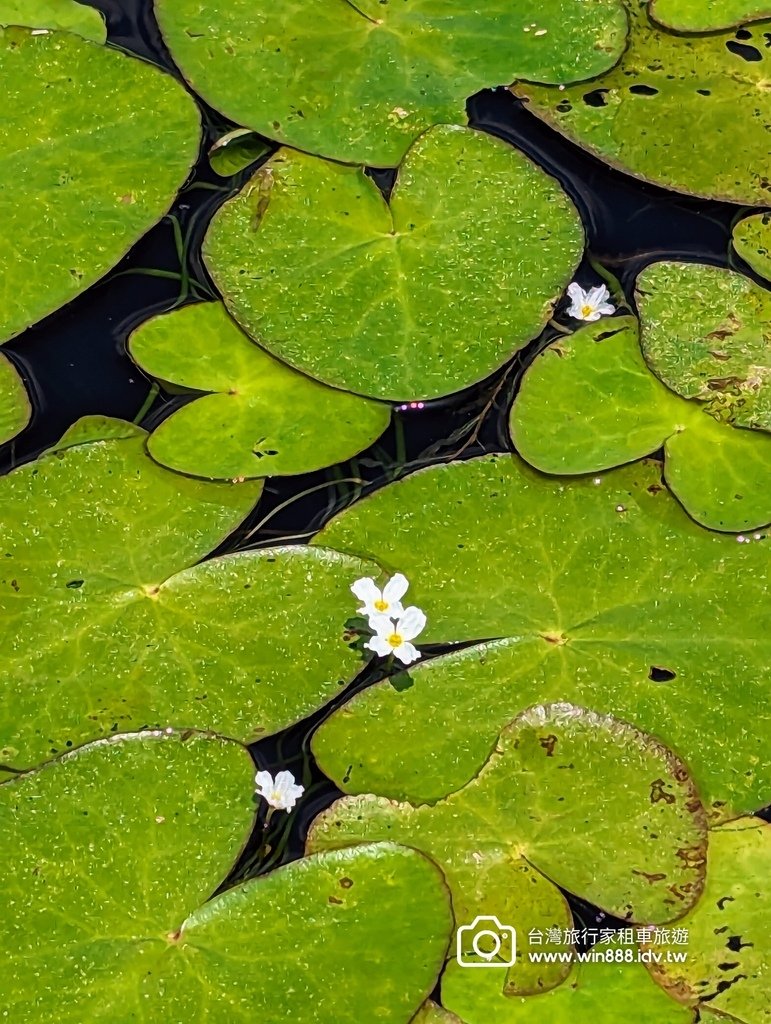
661 675
596 98
643 90
750 53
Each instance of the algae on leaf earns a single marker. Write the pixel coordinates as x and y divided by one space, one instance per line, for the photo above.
95 146
111 620
729 948
606 595
752 241
706 333
360 82
15 408
589 402
68 15
416 297
670 111
109 857
262 418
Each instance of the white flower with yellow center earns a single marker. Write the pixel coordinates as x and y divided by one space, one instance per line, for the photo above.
281 792
394 637
589 305
387 601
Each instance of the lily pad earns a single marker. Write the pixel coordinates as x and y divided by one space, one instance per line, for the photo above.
597 992
589 402
262 418
111 621
109 857
707 15
360 82
534 808
55 14
610 597
640 116
728 950
95 146
416 297
236 150
706 333
752 241
15 408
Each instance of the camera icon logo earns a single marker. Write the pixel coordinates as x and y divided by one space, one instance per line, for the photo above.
495 944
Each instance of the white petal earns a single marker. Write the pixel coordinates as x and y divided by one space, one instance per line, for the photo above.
379 645
411 623
264 780
407 653
381 624
366 590
606 309
597 295
395 589
284 779
594 315
576 293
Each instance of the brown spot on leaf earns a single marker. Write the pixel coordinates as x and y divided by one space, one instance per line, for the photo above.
659 793
548 743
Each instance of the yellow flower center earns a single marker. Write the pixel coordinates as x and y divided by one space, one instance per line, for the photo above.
587 310
381 605
395 640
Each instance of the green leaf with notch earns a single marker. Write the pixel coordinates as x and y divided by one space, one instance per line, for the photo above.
639 116
589 402
111 621
531 817
606 595
110 855
360 82
95 146
416 297
261 418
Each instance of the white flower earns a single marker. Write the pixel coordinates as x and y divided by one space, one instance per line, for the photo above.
394 637
281 792
589 305
376 602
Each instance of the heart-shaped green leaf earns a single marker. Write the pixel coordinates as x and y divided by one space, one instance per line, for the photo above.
95 146
752 241
640 116
411 298
262 419
55 14
360 82
111 621
109 855
611 598
589 402
707 15
596 992
15 408
729 948
534 805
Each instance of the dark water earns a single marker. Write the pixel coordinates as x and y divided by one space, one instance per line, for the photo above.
75 361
